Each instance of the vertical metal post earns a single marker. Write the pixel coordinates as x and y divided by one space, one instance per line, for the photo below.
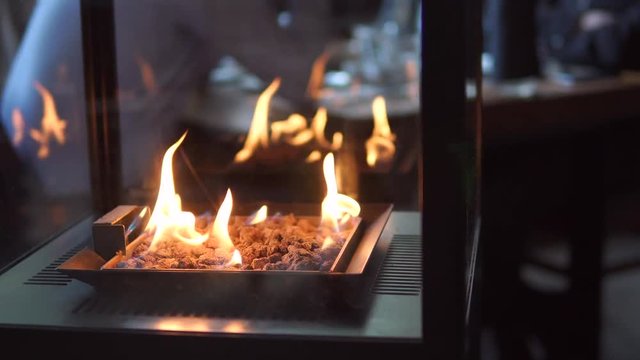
450 175
101 85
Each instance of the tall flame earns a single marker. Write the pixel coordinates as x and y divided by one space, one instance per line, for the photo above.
220 230
52 125
317 75
167 219
337 208
318 124
18 126
259 130
381 145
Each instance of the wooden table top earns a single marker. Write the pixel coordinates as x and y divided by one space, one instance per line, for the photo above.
542 107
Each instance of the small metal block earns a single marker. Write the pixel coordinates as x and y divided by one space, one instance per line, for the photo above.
113 231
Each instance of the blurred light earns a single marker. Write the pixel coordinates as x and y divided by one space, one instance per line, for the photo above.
284 19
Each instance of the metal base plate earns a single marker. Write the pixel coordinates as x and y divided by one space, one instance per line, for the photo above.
33 295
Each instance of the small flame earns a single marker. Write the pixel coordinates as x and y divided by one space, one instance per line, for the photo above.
294 124
411 69
147 74
52 125
18 126
316 78
167 218
313 156
259 216
220 230
236 258
328 241
318 125
301 138
259 130
337 208
380 146
411 72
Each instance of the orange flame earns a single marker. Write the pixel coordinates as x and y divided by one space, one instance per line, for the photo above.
380 146
411 72
220 230
411 69
259 130
52 125
318 124
18 126
301 138
337 209
147 74
313 156
236 258
294 124
316 78
328 241
259 216
168 221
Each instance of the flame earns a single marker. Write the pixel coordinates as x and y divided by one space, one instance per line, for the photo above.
301 138
52 125
259 216
220 230
236 258
316 78
337 208
259 130
294 124
313 156
147 74
18 126
318 124
410 69
380 146
411 72
328 241
167 218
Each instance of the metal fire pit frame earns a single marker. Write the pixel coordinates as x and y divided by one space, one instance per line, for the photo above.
316 286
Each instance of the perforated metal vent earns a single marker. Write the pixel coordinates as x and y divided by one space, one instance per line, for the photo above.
49 275
401 271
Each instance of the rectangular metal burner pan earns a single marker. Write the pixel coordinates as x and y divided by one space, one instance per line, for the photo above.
347 274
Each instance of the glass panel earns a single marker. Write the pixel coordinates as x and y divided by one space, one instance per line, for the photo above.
190 66
266 90
44 179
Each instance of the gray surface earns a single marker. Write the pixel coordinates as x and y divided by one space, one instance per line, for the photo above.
392 317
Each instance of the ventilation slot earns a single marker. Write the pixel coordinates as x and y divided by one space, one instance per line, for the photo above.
401 271
49 275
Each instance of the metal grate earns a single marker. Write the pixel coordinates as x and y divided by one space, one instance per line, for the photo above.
49 275
401 271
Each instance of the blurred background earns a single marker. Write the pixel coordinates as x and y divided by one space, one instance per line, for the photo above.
560 183
560 242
